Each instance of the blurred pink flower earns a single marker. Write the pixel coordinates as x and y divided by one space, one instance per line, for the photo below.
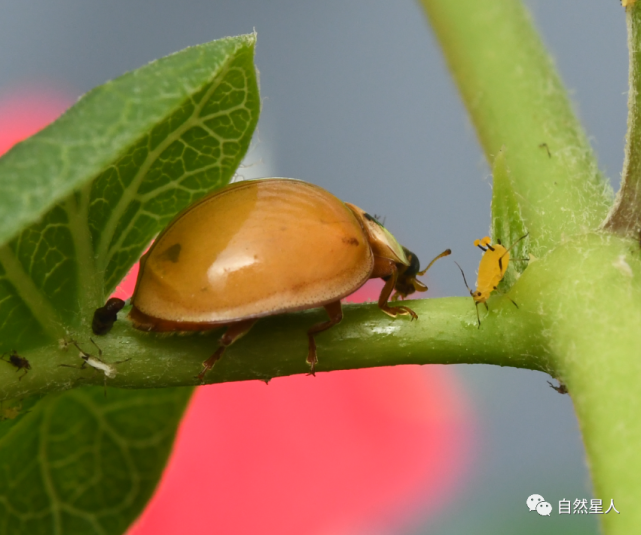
345 452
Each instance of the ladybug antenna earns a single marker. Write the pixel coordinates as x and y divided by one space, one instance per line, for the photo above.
447 252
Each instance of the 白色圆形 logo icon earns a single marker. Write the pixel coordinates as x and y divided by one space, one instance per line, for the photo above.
537 503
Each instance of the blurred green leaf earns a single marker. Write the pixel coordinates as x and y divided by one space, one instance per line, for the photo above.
13 411
84 464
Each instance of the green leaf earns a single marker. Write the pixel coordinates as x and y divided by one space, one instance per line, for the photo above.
143 147
105 124
94 189
84 464
13 411
507 224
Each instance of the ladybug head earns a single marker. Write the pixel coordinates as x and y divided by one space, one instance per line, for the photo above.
407 283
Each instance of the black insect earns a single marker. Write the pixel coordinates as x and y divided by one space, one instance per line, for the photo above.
20 363
105 317
561 389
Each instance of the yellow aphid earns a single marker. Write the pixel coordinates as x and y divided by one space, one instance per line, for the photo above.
491 269
494 264
626 3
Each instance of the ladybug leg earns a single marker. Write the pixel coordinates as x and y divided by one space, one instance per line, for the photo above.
234 332
389 272
335 313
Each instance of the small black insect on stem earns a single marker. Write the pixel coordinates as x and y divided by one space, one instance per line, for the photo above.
20 363
561 389
105 316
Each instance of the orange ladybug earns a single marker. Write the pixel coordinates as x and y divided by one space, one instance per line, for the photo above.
264 247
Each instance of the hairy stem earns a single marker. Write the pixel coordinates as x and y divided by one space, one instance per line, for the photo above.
515 98
591 311
578 317
625 216
445 333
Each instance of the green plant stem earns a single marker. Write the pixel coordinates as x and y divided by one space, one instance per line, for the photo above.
586 289
578 320
515 98
589 298
625 216
445 333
